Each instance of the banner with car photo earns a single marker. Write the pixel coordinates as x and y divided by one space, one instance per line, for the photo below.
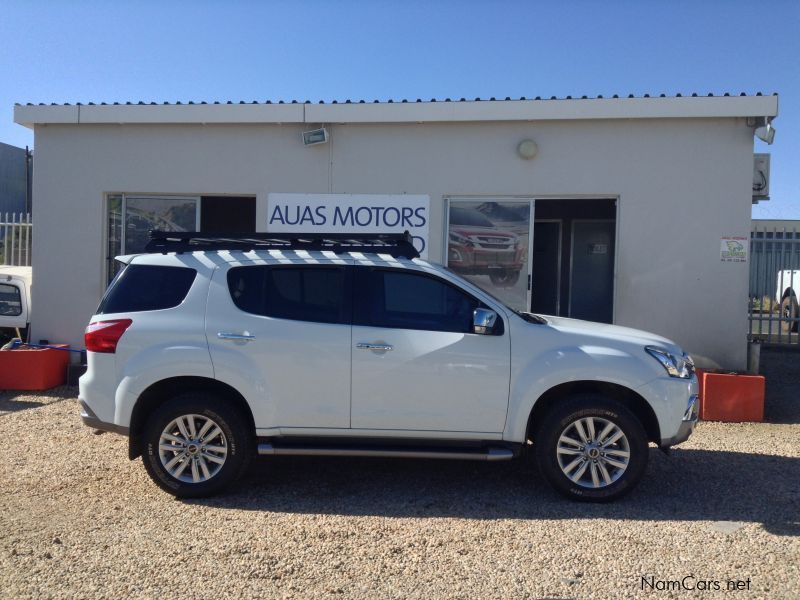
487 243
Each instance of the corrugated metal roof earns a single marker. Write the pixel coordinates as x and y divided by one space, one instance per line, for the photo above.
392 101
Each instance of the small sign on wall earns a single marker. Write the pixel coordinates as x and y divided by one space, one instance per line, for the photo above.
733 249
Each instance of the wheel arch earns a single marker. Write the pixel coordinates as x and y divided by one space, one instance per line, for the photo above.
626 396
161 391
788 293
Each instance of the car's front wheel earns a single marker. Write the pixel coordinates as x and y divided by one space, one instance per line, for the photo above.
591 448
504 278
195 445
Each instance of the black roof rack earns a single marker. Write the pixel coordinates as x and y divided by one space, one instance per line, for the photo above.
398 245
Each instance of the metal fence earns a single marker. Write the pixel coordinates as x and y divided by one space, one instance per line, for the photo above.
774 285
15 239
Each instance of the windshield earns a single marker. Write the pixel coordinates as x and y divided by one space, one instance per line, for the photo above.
468 216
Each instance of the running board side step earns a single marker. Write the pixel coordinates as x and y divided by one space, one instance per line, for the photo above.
485 454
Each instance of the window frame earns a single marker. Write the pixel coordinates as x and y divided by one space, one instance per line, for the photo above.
20 299
346 312
111 270
361 290
101 308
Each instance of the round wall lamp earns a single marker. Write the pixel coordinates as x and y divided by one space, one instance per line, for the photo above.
527 149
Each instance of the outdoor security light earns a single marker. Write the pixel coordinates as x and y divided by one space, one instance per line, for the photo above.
766 133
315 136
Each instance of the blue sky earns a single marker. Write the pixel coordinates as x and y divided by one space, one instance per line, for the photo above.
82 51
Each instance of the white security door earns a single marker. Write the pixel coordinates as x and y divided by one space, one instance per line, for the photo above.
416 364
283 333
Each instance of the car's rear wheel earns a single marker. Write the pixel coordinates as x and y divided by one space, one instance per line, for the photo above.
591 448
195 445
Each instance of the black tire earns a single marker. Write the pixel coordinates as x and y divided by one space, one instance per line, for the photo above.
789 312
504 278
238 440
563 416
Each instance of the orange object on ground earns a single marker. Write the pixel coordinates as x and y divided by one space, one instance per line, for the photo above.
33 368
731 397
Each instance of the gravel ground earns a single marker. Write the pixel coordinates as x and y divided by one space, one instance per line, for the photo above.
77 519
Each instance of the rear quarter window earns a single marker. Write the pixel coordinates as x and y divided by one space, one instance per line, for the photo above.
140 288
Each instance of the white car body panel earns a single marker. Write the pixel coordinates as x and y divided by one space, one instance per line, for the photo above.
293 374
787 280
569 350
430 380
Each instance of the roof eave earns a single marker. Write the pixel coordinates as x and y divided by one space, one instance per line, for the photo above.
402 112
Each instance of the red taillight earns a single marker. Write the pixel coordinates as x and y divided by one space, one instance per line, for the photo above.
103 336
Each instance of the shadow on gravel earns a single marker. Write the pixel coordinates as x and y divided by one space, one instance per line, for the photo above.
689 485
9 405
781 367
12 401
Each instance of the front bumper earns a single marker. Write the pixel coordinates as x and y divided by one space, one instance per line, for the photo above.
687 425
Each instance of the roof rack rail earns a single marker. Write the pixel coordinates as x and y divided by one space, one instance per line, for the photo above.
398 245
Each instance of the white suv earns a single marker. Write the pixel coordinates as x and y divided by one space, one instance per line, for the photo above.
212 350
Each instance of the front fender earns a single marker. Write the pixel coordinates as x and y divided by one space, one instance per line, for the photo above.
532 376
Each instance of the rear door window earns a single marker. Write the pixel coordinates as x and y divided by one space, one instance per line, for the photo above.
302 293
141 288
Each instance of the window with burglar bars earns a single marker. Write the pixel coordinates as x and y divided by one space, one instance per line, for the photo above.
15 239
774 285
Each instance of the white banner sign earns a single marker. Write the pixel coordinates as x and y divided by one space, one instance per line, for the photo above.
351 213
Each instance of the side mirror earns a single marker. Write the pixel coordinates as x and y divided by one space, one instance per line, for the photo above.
483 320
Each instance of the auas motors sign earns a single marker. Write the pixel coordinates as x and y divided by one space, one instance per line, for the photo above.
351 213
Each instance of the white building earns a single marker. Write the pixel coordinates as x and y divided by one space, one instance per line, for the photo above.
625 210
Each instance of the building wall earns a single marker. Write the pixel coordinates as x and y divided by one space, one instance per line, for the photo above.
13 179
682 185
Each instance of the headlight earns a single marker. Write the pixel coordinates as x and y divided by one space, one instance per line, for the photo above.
676 366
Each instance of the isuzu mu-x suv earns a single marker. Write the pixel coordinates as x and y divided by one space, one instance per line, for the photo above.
207 351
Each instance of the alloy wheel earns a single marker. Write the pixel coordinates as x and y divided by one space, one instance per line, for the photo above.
192 448
593 452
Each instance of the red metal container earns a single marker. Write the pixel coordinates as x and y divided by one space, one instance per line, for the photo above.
731 397
33 368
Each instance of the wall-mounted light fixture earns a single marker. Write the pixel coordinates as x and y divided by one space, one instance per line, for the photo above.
766 133
527 149
315 136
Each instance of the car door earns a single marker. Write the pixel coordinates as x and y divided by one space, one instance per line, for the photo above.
282 331
417 366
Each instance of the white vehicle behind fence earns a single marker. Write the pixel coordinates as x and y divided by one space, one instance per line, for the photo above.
786 293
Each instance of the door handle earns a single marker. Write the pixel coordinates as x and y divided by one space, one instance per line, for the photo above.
364 346
246 337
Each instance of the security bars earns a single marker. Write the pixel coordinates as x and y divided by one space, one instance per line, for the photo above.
774 286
